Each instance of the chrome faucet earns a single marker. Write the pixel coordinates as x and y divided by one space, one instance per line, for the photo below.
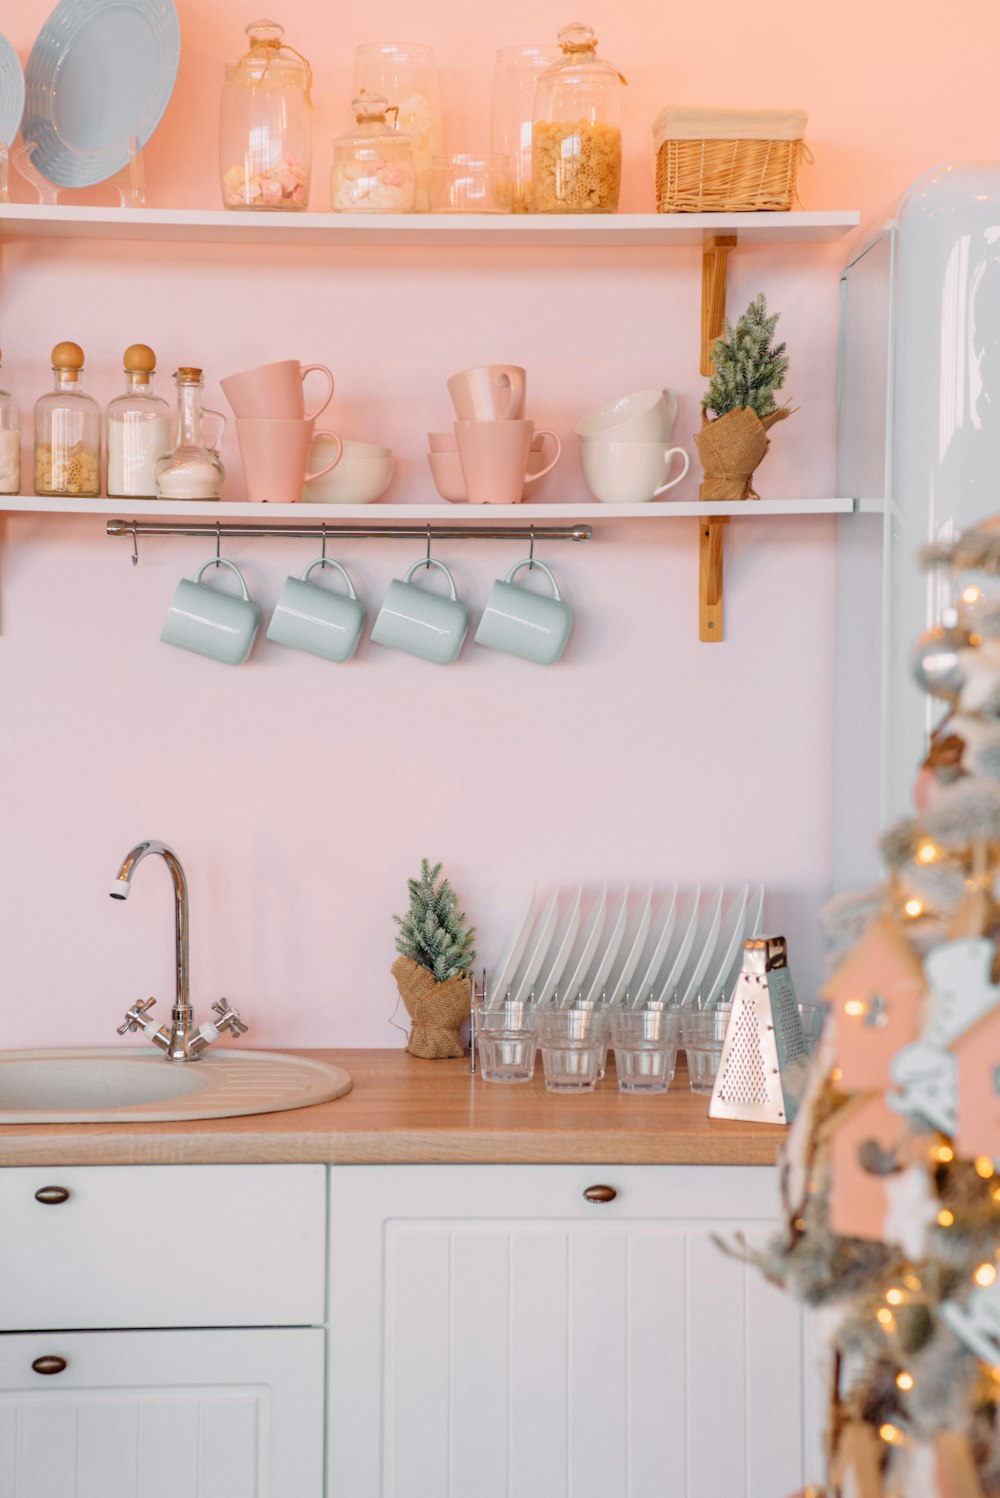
182 1041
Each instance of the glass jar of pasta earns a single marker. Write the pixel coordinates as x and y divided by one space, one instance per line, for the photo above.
576 134
68 431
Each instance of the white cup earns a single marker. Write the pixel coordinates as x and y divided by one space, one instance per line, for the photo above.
629 473
644 416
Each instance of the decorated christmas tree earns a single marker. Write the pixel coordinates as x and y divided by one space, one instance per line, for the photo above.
891 1172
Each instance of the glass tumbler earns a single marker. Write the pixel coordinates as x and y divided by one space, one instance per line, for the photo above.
514 78
574 1046
506 1042
471 184
645 1042
702 1035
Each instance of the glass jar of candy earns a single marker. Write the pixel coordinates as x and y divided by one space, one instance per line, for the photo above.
265 135
373 165
404 73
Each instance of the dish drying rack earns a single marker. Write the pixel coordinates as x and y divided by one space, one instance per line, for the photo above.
673 943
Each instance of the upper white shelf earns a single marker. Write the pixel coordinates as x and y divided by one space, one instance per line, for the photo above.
418 513
636 230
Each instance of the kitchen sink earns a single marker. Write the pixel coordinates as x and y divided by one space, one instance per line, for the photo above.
123 1085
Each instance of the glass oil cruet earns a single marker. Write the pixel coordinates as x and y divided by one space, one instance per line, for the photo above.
10 445
191 470
373 165
576 136
138 429
68 431
265 135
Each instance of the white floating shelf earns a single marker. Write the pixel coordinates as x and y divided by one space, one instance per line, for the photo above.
636 230
418 514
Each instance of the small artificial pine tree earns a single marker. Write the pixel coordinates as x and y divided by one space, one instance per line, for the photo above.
749 368
432 933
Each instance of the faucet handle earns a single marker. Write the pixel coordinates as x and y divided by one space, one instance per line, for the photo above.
229 1018
136 1017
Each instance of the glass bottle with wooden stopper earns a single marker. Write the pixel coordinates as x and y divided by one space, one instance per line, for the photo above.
138 429
192 469
10 445
68 431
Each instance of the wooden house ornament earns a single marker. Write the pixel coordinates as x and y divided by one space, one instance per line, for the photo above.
877 996
866 1143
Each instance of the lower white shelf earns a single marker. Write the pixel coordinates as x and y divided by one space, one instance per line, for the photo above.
418 512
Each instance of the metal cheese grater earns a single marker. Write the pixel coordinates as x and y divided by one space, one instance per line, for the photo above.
764 1056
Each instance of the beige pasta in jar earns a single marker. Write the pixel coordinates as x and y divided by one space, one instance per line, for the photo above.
68 431
576 131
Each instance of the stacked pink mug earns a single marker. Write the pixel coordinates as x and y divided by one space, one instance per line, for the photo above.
492 453
273 429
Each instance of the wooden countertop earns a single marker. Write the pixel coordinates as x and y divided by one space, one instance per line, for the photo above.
405 1111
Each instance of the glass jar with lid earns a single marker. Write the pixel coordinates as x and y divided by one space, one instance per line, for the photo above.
10 445
405 74
192 469
514 77
265 135
68 431
138 429
373 165
576 135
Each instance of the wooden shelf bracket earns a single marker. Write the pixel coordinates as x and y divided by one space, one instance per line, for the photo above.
714 260
710 578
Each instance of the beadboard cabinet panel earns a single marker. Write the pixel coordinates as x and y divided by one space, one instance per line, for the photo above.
163 1414
518 1345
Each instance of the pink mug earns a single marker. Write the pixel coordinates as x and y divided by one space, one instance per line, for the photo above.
495 459
275 457
274 391
493 392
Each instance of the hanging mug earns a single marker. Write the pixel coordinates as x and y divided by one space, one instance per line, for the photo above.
209 622
310 618
422 623
530 625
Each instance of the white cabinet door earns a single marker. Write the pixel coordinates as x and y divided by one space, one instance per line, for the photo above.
163 1414
493 1333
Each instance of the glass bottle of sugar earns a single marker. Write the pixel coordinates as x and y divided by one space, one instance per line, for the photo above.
68 431
138 429
10 445
191 469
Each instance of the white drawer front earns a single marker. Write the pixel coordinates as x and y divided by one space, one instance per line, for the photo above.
177 1245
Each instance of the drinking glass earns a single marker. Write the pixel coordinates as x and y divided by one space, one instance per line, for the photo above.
574 1047
471 184
506 1042
702 1035
645 1042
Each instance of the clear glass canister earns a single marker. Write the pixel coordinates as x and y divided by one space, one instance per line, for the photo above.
576 137
68 431
265 135
514 77
373 165
10 445
138 429
405 75
192 469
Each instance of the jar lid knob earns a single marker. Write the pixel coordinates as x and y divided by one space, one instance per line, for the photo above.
67 356
576 37
369 105
268 33
139 359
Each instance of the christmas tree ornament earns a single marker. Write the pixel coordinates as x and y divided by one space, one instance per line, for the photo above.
867 1145
936 662
764 1061
876 995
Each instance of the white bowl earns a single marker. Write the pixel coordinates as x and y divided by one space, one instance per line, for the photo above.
644 416
362 475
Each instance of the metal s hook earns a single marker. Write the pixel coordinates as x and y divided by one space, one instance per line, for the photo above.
428 562
531 550
218 544
135 546
322 555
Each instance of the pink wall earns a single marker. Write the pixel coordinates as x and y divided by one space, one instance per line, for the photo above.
300 796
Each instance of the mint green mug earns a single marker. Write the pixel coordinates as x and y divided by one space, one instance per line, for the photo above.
316 620
209 622
526 624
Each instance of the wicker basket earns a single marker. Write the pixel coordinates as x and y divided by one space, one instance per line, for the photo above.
727 161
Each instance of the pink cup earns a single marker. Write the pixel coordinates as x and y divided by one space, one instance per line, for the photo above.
492 392
275 457
274 391
446 465
495 459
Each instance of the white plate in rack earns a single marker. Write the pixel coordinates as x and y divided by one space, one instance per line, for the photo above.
11 93
503 973
617 923
634 951
709 921
100 74
584 953
663 928
537 949
685 930
547 985
728 946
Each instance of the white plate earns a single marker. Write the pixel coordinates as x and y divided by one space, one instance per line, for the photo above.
538 949
588 946
514 950
550 983
617 923
728 947
663 928
11 93
684 934
708 934
751 927
101 73
634 951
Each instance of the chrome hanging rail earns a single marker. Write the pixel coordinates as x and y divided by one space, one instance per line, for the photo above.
333 532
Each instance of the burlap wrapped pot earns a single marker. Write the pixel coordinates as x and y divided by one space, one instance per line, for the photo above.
730 449
436 1009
